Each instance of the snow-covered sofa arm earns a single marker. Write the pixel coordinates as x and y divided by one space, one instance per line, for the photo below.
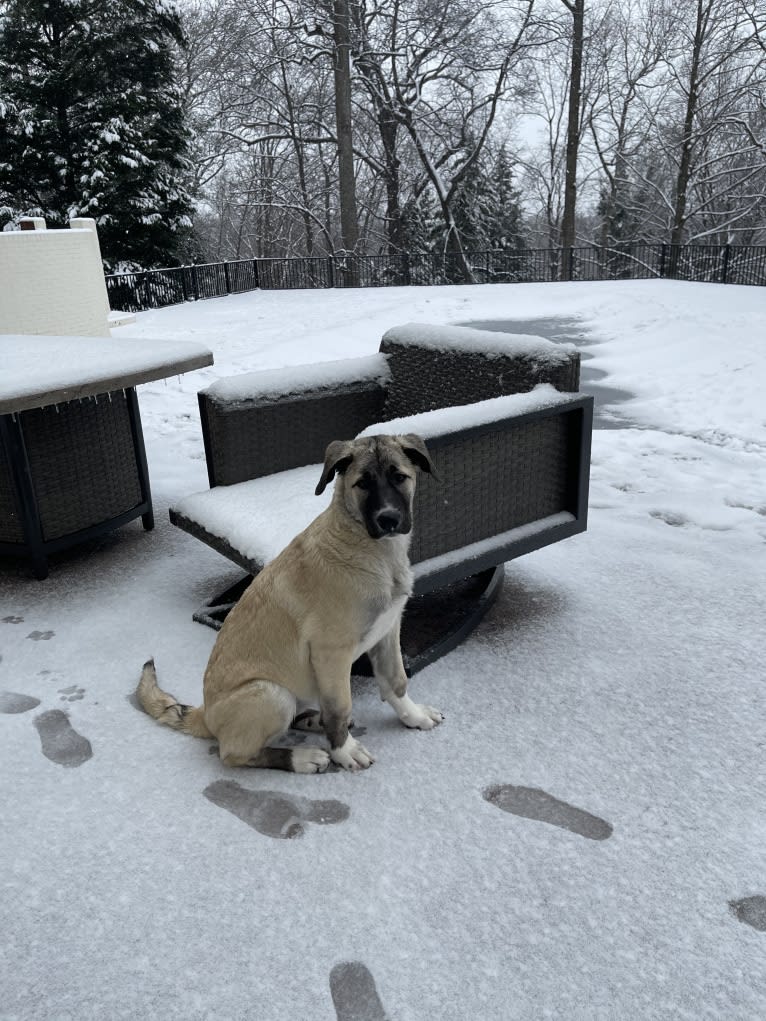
513 476
438 366
258 423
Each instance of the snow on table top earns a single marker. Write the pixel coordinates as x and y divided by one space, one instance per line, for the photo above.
37 371
491 344
295 379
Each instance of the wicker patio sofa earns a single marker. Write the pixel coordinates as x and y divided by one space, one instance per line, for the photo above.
508 432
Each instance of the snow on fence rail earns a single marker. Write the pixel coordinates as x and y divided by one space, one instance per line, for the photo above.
733 264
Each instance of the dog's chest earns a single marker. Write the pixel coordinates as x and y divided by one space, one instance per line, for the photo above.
383 620
383 613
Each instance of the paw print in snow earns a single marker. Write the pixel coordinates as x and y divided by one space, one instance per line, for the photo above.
71 694
13 619
41 636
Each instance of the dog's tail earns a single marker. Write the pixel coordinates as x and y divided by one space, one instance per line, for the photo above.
164 708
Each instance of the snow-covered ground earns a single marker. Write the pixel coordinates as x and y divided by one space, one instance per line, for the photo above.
620 672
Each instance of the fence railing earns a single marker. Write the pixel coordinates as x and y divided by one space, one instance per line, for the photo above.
155 288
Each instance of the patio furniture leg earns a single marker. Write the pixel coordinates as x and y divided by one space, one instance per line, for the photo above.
12 436
147 518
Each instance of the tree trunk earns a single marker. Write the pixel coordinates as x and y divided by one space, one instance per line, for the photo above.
349 226
685 162
388 127
577 9
300 160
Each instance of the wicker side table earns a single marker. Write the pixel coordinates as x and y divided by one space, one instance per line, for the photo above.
72 457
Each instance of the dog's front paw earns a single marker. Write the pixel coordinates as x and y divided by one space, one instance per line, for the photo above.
351 755
421 717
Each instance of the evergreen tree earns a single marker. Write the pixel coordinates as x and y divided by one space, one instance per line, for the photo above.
91 123
422 227
486 208
474 210
506 230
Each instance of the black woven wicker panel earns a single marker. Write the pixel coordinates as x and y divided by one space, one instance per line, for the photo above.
83 462
10 524
490 483
245 442
424 379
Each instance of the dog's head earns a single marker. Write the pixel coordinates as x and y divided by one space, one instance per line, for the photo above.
376 480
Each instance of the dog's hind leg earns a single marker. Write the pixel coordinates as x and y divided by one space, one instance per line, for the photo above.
293 760
310 720
387 665
249 719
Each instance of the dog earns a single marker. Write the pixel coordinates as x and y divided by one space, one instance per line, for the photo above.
336 591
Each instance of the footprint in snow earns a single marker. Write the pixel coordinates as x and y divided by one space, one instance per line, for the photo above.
272 813
672 518
751 911
533 803
354 995
60 741
12 702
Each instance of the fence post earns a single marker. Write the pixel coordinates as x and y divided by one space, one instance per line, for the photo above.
330 271
725 267
407 273
663 257
570 266
195 283
256 274
226 277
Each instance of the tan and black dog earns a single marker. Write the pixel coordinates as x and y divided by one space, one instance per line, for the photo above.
336 591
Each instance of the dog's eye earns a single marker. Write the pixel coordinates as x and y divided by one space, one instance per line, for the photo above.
399 477
363 482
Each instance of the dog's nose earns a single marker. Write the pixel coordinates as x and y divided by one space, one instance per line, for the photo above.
388 521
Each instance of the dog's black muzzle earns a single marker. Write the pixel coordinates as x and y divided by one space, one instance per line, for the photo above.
388 521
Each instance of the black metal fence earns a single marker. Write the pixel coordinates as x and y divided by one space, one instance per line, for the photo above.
732 264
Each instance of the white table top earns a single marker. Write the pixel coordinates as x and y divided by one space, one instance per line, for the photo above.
37 371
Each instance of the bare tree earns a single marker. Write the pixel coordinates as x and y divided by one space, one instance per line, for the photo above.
344 139
576 9
441 71
558 166
622 119
713 70
322 124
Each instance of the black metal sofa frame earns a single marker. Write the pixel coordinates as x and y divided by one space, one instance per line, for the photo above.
514 472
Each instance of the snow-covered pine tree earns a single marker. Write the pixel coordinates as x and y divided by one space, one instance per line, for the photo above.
506 229
474 209
91 123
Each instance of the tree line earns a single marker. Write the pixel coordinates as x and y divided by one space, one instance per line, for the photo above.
224 129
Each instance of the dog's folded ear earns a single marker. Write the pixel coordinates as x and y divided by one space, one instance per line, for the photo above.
417 452
337 458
